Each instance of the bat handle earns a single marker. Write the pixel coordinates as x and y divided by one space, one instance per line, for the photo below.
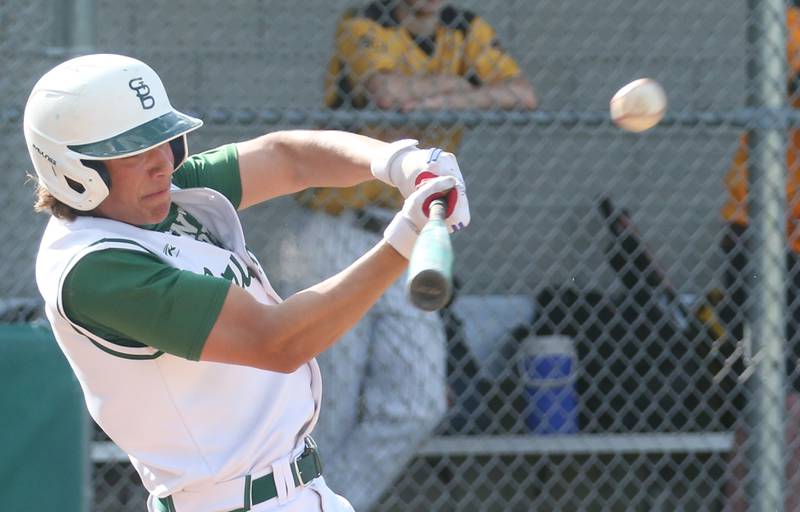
438 209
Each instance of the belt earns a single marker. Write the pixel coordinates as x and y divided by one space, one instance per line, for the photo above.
305 468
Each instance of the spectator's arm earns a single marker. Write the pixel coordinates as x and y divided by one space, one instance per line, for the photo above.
516 93
389 90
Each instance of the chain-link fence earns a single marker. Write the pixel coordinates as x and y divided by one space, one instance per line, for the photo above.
616 330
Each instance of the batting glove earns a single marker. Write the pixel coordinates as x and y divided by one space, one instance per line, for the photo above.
402 232
401 164
405 166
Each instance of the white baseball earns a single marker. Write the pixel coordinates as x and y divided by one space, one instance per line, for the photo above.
638 106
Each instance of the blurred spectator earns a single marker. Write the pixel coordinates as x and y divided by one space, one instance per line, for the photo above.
406 55
735 277
386 380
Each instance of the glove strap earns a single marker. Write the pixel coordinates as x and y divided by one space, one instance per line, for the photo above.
381 165
401 234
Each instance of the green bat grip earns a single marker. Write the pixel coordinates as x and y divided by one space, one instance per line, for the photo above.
430 269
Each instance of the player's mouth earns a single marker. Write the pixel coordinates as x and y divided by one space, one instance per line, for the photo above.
159 194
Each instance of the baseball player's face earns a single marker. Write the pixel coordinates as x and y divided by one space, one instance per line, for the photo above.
140 187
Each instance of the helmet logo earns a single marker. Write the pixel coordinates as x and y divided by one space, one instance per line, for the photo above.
142 92
44 155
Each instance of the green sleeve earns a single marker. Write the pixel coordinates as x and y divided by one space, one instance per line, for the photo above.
132 298
217 169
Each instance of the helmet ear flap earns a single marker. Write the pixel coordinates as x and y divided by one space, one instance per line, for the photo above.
101 169
179 150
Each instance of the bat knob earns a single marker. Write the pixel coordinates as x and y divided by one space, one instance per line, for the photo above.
429 290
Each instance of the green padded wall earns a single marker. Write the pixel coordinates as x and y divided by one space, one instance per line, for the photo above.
43 440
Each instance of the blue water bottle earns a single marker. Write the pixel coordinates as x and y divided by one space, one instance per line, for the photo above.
547 369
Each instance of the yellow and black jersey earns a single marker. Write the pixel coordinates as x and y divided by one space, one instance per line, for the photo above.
371 40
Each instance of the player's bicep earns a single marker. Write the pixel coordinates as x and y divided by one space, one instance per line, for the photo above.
128 297
267 169
242 335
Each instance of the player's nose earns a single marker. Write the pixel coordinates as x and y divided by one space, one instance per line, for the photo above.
160 160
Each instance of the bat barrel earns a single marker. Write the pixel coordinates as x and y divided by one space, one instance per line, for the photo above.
430 270
430 290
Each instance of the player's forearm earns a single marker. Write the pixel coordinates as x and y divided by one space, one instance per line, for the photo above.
392 90
284 336
328 309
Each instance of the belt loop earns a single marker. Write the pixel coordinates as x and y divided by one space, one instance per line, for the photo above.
284 481
248 493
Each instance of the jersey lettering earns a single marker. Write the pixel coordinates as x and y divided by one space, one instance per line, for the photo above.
187 225
240 275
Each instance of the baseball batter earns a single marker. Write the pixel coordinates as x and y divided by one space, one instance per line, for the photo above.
187 357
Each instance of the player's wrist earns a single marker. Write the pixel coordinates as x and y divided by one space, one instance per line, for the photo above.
386 166
401 233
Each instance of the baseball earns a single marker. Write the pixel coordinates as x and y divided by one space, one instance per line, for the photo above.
638 106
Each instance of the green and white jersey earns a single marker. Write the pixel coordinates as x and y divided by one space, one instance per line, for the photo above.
185 424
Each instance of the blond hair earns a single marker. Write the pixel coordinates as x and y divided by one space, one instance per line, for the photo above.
47 203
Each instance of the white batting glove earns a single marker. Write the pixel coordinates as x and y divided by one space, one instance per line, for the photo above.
403 165
402 232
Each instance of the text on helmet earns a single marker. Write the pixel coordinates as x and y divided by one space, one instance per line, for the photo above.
44 155
142 92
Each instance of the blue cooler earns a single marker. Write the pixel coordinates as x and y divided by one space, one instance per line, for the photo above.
547 369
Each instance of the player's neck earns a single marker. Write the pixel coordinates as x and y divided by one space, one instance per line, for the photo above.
419 24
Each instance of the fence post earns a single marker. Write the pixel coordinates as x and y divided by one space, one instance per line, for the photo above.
76 31
766 34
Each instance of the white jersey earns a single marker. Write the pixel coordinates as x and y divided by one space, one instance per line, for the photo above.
184 424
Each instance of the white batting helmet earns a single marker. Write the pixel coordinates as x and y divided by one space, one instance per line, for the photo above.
96 108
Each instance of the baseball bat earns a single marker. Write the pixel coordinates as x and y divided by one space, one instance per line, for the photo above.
430 270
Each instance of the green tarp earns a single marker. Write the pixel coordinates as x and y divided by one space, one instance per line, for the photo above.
43 439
